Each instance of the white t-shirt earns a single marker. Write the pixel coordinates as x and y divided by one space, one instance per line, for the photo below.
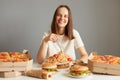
68 46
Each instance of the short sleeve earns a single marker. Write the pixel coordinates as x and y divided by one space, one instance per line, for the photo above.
77 39
45 35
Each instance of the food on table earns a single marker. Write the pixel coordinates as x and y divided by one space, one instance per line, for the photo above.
61 59
79 70
51 59
4 57
13 57
49 67
42 74
18 57
109 59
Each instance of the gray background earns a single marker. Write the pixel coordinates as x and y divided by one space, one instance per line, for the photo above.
22 23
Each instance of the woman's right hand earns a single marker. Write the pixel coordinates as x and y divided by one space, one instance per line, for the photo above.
52 37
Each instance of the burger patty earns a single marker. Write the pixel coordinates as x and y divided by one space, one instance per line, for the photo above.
63 66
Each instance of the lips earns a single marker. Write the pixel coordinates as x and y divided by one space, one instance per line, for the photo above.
61 21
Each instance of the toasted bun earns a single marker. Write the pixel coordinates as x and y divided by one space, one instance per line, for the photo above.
78 68
49 65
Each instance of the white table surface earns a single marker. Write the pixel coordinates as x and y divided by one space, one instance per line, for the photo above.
62 75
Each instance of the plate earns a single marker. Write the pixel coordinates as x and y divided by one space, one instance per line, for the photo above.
82 76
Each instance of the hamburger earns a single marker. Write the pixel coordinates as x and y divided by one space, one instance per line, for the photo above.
49 67
79 70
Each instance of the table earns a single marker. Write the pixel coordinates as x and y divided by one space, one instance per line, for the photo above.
62 75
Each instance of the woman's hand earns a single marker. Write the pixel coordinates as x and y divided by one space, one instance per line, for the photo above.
84 59
52 37
83 53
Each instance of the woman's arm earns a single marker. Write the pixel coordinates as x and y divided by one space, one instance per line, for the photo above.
83 53
42 52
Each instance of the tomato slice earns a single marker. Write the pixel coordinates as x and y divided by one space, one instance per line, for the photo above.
55 55
69 59
2 54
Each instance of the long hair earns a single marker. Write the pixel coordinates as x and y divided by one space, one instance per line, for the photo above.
69 26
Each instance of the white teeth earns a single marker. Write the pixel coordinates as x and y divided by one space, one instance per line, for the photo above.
62 21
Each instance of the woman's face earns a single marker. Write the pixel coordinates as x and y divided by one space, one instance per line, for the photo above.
62 17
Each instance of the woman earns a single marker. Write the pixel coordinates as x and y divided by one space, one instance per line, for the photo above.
62 37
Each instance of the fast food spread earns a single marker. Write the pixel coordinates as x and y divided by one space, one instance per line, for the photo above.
58 61
13 57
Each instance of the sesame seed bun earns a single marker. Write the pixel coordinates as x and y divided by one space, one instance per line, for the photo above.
78 68
49 65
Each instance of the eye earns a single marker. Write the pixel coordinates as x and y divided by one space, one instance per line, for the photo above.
59 15
66 16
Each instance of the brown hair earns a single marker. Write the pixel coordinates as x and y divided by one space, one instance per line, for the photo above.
69 26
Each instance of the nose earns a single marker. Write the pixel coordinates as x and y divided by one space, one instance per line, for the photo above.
62 17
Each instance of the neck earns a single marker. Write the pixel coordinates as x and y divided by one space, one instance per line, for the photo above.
61 31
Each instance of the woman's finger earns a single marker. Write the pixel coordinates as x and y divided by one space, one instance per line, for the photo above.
54 37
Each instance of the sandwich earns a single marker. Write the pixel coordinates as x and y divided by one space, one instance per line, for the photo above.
78 70
49 67
42 74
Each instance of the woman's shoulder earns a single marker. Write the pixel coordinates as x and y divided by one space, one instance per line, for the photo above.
47 33
75 31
